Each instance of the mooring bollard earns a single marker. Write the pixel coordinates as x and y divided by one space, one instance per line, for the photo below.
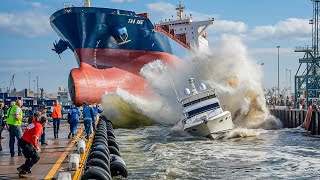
74 162
64 176
81 146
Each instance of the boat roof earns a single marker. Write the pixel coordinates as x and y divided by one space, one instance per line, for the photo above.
200 95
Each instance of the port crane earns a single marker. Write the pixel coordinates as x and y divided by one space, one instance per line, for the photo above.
11 85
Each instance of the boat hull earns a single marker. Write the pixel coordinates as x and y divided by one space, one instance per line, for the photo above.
211 128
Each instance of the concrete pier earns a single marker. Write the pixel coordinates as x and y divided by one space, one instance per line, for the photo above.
53 157
292 118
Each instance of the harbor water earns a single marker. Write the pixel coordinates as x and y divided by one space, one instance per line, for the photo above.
155 152
258 147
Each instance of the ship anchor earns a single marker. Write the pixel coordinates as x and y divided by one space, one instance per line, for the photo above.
122 35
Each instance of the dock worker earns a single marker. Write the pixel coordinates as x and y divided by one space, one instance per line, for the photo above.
73 120
14 122
96 111
43 113
56 116
88 117
29 144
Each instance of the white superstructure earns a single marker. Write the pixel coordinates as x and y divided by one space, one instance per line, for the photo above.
192 33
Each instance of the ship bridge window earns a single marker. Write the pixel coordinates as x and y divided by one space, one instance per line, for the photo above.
199 100
202 109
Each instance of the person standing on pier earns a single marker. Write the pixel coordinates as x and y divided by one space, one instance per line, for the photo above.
29 145
56 116
96 111
88 117
73 119
43 113
14 122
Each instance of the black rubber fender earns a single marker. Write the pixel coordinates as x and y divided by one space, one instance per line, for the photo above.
97 144
100 163
99 155
101 140
102 124
109 122
114 150
101 128
110 129
99 136
96 172
101 133
112 142
101 148
111 134
118 166
113 138
103 117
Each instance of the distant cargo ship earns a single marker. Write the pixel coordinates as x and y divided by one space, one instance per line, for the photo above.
112 45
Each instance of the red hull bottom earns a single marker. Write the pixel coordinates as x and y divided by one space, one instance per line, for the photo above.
90 84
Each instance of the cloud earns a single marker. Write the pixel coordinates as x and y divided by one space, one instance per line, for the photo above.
162 8
21 65
292 29
27 24
224 26
38 5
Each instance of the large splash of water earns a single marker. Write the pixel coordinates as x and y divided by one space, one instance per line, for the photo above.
228 68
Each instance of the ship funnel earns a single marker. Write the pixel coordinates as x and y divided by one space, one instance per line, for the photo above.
194 90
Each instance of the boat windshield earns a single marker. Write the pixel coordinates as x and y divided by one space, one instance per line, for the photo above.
203 109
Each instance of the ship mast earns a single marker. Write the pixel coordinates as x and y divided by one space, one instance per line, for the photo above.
180 9
88 3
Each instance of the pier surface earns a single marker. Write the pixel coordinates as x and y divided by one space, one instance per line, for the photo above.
53 157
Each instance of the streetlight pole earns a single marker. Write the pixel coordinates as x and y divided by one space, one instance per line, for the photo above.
29 83
290 81
286 78
278 74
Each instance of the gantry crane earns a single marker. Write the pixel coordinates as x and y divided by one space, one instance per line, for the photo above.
307 83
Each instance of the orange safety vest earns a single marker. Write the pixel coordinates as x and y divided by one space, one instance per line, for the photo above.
56 111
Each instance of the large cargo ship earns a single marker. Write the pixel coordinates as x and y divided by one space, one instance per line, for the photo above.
112 45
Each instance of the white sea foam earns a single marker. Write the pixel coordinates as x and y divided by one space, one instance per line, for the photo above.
227 68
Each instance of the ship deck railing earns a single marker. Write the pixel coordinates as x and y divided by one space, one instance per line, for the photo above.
171 36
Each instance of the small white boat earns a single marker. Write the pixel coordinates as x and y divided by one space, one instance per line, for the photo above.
202 113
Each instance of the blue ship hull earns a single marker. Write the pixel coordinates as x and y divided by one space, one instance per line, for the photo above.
104 40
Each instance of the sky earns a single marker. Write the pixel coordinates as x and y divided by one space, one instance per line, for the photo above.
26 36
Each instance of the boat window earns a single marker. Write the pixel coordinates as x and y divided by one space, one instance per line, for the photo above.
202 109
199 100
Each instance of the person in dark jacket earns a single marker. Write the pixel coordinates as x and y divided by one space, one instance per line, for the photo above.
73 119
96 111
88 117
